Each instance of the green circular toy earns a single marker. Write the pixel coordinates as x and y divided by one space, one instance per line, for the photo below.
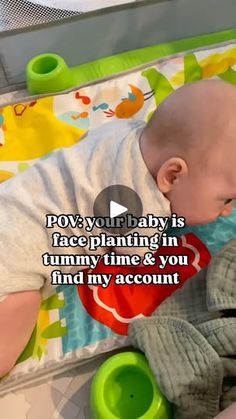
48 73
124 388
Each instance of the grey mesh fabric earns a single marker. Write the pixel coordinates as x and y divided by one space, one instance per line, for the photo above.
15 14
190 341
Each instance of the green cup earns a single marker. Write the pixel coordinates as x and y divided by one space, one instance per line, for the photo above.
48 73
124 388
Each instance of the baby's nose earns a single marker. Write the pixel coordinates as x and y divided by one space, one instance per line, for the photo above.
227 210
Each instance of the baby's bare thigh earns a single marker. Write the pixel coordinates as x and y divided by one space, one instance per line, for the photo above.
18 316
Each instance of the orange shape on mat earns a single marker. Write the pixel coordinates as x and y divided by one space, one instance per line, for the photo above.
117 305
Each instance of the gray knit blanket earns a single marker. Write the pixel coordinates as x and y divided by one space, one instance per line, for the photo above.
190 341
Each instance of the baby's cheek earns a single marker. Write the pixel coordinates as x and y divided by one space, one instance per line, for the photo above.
227 210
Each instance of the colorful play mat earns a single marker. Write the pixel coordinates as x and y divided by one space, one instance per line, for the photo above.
77 323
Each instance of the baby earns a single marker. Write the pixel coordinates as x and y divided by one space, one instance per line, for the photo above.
182 161
229 413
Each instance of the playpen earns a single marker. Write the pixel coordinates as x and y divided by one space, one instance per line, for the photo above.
121 54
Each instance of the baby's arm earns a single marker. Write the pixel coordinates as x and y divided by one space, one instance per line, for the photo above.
18 316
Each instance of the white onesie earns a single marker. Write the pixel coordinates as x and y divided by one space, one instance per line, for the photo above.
67 182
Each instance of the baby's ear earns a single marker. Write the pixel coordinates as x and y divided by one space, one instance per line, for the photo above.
170 173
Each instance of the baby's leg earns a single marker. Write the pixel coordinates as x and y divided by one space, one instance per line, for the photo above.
18 316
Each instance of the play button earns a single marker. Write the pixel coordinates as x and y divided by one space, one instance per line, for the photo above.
114 204
116 209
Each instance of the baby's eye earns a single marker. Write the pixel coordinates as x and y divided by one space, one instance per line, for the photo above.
227 201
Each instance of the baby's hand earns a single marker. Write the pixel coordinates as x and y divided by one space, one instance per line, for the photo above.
229 413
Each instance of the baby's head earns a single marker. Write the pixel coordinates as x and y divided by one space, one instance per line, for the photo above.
189 146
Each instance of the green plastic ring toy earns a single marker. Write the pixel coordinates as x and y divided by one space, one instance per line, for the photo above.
48 73
125 388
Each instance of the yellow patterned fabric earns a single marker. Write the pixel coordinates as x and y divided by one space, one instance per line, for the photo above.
31 130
